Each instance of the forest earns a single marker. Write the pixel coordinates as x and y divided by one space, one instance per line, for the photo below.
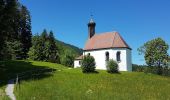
17 42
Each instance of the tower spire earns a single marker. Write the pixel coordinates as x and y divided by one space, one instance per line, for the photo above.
91 27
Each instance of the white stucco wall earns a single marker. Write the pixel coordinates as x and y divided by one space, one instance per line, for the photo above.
76 63
100 57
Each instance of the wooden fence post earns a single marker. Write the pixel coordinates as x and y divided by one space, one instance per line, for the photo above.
16 80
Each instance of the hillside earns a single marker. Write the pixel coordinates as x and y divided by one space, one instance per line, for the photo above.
71 84
63 47
66 84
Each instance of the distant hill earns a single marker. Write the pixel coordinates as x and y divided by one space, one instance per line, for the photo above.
63 47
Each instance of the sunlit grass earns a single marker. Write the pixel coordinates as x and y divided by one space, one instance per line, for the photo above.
3 96
72 84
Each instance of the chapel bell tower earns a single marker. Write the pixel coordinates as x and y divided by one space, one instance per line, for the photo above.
91 28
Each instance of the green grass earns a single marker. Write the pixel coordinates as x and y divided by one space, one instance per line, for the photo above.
9 69
2 94
72 84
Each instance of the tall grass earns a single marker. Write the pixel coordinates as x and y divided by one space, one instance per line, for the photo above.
72 84
3 96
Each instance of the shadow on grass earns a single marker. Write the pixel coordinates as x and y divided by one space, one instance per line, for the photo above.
94 72
10 69
118 73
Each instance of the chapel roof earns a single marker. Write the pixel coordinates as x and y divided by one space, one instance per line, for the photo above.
106 40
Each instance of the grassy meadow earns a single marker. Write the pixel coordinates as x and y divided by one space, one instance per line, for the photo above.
72 84
3 96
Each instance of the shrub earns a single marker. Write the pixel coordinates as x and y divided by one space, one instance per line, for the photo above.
138 68
112 66
88 64
166 71
67 60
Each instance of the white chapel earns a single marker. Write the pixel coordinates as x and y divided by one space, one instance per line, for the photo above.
105 46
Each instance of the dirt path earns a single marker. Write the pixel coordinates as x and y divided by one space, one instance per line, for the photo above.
10 90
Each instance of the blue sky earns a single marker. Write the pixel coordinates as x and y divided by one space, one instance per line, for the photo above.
136 20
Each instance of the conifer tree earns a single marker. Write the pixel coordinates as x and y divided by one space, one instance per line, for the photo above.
53 50
2 5
26 34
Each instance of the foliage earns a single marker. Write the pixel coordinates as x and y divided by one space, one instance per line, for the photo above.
166 71
15 25
26 34
64 47
88 64
155 53
44 48
13 50
112 66
67 53
35 51
138 68
68 59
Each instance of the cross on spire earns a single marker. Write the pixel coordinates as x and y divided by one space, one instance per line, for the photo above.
91 18
91 15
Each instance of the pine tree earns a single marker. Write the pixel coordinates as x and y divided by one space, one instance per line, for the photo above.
11 20
44 47
2 5
53 50
26 34
15 26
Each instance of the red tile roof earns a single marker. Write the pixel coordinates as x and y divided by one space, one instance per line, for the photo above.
106 40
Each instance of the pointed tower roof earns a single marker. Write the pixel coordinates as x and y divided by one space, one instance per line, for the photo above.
106 40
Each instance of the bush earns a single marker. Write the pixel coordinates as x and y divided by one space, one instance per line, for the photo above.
152 70
88 64
67 60
112 66
166 71
138 68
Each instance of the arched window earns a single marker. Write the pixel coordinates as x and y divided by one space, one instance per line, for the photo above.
118 56
107 56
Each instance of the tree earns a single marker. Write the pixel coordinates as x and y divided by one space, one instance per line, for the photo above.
25 29
53 50
35 51
67 59
155 53
88 64
13 50
11 20
2 5
44 45
44 48
15 26
112 66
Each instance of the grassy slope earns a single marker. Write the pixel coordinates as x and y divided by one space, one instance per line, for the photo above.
71 84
